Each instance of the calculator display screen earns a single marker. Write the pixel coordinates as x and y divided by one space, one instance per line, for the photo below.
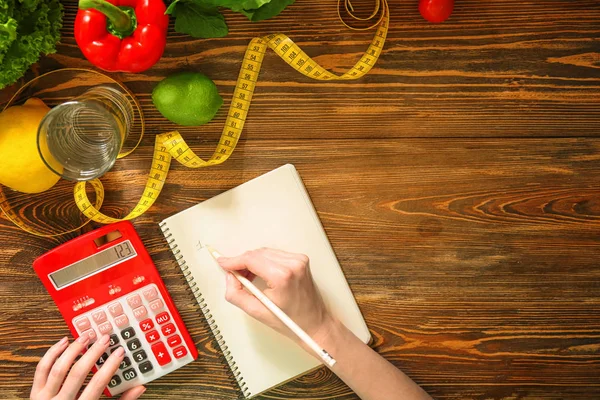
93 264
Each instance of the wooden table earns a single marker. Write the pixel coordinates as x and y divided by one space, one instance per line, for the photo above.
458 184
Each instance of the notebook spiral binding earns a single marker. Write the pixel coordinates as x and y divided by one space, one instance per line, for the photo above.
234 372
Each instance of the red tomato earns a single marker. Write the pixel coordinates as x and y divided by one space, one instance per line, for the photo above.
436 10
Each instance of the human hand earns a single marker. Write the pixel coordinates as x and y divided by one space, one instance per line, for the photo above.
59 363
290 287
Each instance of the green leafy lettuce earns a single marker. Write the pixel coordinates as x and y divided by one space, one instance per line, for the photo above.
201 18
28 28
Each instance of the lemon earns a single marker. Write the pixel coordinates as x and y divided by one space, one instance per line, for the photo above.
22 168
187 98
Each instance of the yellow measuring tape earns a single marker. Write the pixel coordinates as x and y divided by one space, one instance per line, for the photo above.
171 145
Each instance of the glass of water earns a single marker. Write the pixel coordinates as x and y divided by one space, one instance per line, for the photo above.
80 139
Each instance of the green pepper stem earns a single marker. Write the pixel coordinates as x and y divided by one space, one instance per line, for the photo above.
121 22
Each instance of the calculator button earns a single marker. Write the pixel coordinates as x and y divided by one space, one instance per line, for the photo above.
99 316
128 333
150 293
105 328
163 317
125 363
174 340
134 301
168 329
156 305
145 367
161 353
129 374
121 320
82 324
152 336
140 312
134 345
114 381
139 356
114 339
102 359
90 333
180 352
115 309
146 325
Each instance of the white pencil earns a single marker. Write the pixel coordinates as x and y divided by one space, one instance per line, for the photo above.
283 317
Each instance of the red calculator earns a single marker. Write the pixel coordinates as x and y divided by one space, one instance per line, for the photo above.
105 283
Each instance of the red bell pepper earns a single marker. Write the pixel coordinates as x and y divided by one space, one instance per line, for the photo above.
122 35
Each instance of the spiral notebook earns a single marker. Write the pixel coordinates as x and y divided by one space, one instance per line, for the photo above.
273 210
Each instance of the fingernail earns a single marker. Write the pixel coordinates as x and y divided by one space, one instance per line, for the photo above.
63 341
221 259
119 352
104 340
83 339
143 391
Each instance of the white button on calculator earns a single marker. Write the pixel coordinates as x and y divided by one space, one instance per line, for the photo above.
115 309
140 324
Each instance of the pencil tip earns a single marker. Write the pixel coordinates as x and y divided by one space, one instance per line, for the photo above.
212 251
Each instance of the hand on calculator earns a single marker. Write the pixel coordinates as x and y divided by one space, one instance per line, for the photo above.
59 376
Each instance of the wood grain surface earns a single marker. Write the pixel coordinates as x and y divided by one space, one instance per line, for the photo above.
457 182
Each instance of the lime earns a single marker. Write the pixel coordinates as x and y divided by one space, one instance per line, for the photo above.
187 98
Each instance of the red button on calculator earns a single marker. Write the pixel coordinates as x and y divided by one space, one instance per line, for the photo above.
163 318
152 336
179 352
174 340
105 282
146 325
161 353
168 329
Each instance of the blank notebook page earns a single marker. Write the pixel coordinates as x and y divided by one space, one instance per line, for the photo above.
273 210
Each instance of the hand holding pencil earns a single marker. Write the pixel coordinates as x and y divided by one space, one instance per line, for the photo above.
291 304
292 290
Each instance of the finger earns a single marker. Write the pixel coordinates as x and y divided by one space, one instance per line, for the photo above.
295 262
247 274
280 254
236 295
43 368
283 259
62 366
255 262
101 378
133 393
82 368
